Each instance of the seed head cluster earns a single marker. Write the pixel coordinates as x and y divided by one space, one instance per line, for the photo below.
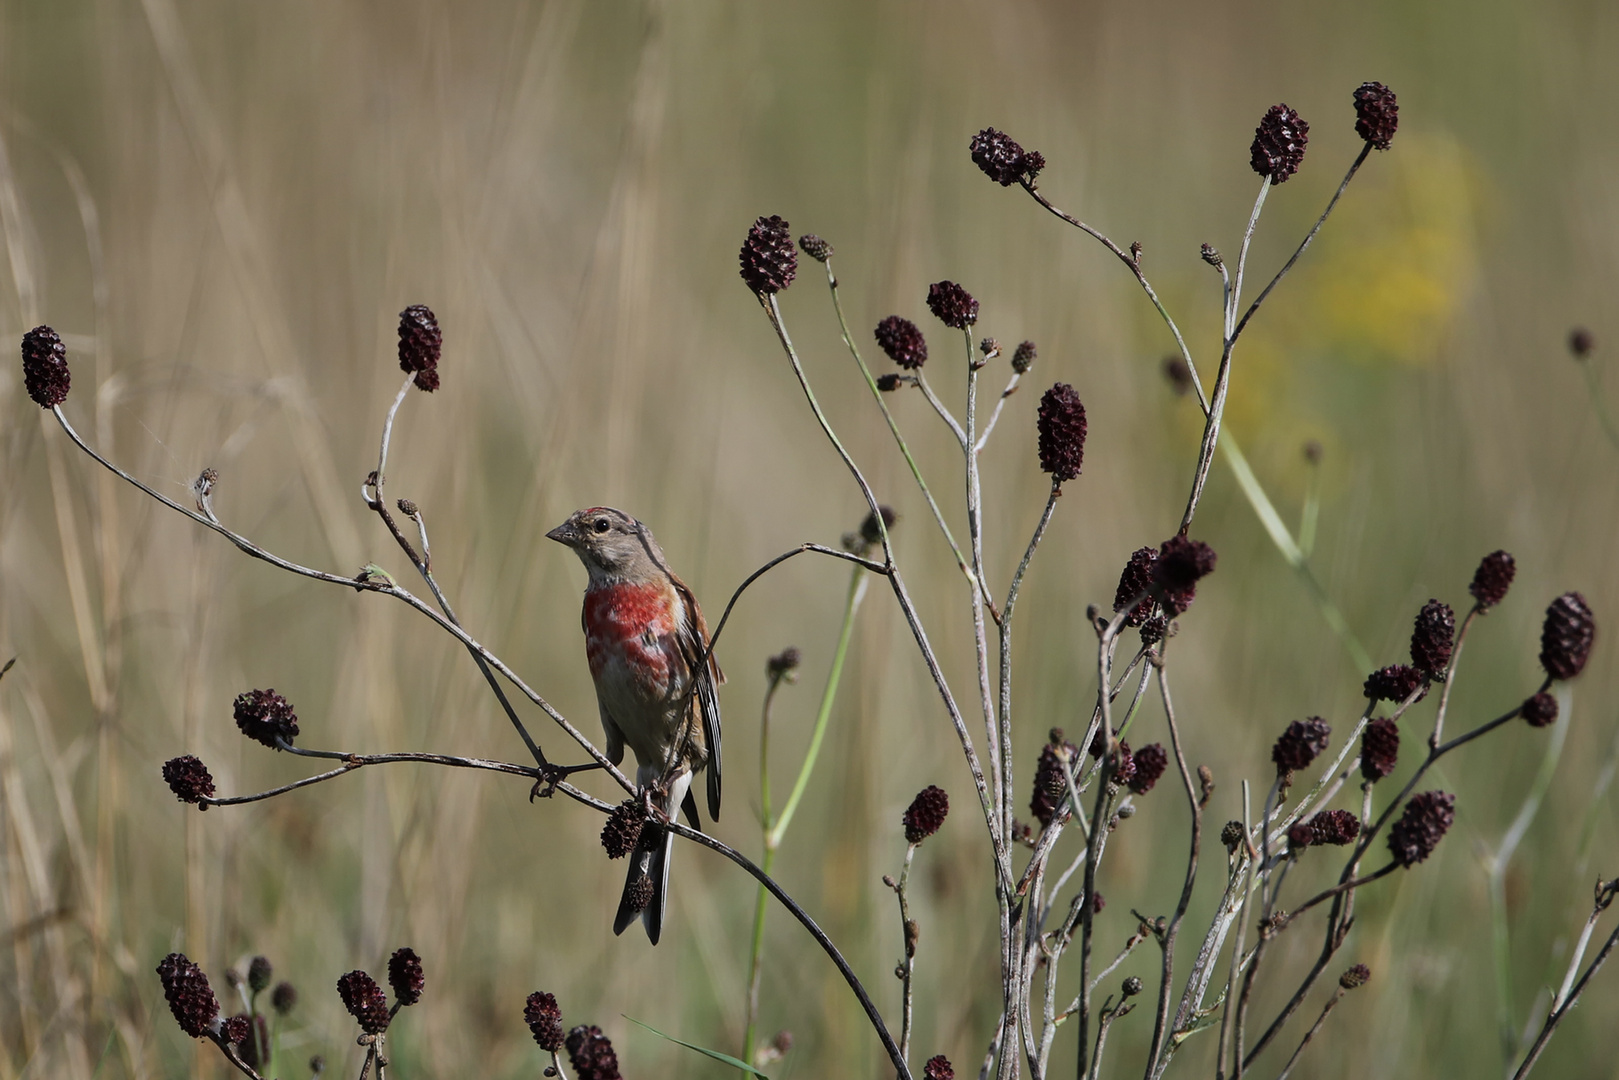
1355 976
259 974
938 1067
1062 427
44 367
1150 761
591 1054
190 997
1377 114
1002 159
264 716
420 345
188 778
405 976
1135 580
1431 637
925 814
1422 825
902 341
1279 142
1566 636
1181 563
365 1001
1393 683
767 260
623 828
1023 357
544 1018
1492 579
1300 744
1334 827
815 247
952 305
1050 782
1379 749
1540 710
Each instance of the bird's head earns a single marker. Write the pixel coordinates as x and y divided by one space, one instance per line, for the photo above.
612 545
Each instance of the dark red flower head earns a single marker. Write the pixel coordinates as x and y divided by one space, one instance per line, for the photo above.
44 367
1299 744
188 778
1492 579
592 1054
1050 781
365 1001
1566 636
264 716
543 1016
938 1067
1540 710
1181 563
259 973
1431 637
1355 976
1136 580
1023 357
925 814
952 305
1062 428
420 345
767 259
1334 827
1377 114
1002 159
815 247
1150 762
1581 342
1393 683
1379 749
284 998
902 341
1422 825
405 976
1279 142
190 997
623 828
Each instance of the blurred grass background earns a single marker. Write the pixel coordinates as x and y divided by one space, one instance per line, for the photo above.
223 208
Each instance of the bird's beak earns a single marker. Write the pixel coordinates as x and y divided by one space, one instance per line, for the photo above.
562 534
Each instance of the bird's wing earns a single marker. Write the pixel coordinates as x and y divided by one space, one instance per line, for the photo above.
706 678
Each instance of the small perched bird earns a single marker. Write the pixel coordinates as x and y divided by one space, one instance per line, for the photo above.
656 686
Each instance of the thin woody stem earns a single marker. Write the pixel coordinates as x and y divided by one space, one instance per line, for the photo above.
386 588
1304 245
893 427
1135 268
907 968
995 417
1332 1003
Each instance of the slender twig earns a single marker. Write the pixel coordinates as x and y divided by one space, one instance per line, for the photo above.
1605 893
995 417
1561 1011
1322 220
893 427
1332 1002
1242 924
907 964
1134 266
809 924
1104 1022
1328 894
756 946
944 412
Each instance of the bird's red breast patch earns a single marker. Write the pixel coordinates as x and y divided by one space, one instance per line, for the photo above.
630 622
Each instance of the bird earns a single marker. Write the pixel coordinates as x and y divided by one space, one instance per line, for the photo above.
656 687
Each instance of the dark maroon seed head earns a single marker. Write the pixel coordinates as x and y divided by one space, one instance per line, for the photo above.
264 716
1278 147
1150 761
1136 580
1062 428
44 367
1335 827
188 778
420 345
544 1018
925 814
591 1054
1300 744
405 976
1379 749
1421 826
1377 114
938 1067
1540 710
1002 159
1393 683
623 828
815 247
1492 579
1431 637
904 344
767 259
1566 636
952 305
1580 343
190 997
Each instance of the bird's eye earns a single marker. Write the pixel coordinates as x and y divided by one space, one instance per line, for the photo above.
602 525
